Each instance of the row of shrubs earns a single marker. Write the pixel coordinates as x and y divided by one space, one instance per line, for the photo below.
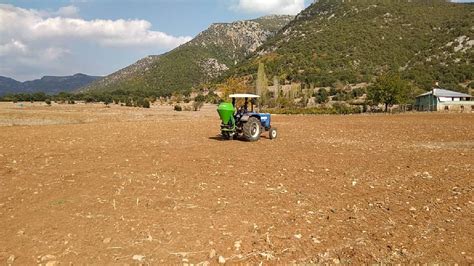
337 108
136 99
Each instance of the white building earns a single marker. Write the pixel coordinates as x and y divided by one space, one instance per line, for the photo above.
445 100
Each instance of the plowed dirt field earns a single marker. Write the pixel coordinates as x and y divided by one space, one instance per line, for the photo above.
89 184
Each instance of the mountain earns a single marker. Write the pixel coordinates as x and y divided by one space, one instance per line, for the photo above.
9 85
355 41
131 72
47 84
202 59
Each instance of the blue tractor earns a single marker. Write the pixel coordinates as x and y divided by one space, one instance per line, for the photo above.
242 121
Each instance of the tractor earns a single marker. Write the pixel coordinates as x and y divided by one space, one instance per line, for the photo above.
240 121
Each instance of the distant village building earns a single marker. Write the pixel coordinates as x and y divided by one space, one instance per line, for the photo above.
445 100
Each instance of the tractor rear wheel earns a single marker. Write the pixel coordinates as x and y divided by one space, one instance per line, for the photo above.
225 135
252 129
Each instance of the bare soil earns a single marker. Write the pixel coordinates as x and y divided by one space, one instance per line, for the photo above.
89 184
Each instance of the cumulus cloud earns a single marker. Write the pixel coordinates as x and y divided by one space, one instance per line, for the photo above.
68 12
278 7
32 25
30 37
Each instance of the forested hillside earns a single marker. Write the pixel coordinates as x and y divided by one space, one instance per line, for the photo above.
356 41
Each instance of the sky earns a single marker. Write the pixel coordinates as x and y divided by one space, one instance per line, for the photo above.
98 37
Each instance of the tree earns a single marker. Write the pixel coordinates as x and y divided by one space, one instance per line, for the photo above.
276 84
39 96
198 102
107 100
262 83
388 90
212 97
146 103
305 95
234 85
322 96
128 102
200 98
178 97
89 99
197 105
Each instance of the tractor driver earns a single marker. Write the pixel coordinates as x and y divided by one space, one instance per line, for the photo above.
241 111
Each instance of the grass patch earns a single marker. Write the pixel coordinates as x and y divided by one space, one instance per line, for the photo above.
58 202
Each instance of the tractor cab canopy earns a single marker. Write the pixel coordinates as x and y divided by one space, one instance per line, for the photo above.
250 96
244 108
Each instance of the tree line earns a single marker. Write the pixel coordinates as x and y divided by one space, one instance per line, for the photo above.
121 97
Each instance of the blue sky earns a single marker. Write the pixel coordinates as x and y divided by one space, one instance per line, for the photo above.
179 17
98 37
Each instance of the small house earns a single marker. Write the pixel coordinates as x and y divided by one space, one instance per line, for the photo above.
445 100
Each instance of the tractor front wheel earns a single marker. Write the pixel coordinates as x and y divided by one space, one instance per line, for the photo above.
252 129
273 133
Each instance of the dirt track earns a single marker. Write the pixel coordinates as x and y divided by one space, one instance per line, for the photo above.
88 184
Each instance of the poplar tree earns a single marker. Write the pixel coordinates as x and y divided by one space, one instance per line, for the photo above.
262 84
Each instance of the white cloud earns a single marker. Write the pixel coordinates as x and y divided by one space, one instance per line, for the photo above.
33 25
12 47
32 37
278 7
68 12
110 33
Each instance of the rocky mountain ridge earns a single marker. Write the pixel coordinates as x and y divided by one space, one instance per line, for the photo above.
204 58
47 84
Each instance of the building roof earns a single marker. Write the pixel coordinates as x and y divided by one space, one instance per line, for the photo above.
445 93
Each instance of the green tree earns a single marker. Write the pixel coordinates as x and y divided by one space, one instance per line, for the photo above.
128 102
39 96
89 99
146 103
200 98
233 85
388 90
262 84
107 100
276 84
212 97
322 96
198 102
